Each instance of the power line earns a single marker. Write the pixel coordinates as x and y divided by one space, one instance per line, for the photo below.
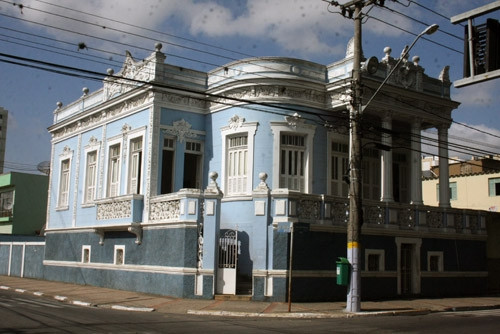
420 22
91 75
473 128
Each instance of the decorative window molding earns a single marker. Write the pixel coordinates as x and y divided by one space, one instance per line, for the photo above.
296 126
237 126
181 129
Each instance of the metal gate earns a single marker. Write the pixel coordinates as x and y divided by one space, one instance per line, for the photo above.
227 262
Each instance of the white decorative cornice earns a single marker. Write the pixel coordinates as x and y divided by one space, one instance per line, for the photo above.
102 116
181 129
307 96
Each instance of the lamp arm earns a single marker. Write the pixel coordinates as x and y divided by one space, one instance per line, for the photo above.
392 71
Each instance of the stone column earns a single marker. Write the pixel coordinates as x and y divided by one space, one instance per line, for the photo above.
416 163
444 172
386 191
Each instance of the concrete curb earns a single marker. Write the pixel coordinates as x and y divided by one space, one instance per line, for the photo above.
309 315
133 309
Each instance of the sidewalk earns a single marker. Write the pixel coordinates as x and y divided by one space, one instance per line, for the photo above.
91 296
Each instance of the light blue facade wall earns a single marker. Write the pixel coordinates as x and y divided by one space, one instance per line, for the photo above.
85 214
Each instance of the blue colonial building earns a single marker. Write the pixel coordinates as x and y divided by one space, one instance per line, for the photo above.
185 183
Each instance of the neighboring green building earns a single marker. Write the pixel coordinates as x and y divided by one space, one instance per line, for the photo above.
23 203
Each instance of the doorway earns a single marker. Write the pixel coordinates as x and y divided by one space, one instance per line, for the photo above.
227 262
408 264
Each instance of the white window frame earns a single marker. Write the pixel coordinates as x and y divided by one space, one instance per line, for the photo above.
200 153
86 248
299 128
117 249
237 166
439 254
381 258
135 173
95 147
248 128
126 154
342 140
109 144
63 203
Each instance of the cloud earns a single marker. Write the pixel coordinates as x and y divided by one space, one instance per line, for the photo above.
293 25
478 95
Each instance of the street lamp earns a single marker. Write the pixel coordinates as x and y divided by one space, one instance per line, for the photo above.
355 198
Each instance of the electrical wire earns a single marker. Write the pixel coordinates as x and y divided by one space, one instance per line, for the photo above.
101 78
421 22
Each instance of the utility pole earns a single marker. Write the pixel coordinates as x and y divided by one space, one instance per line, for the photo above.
355 196
353 9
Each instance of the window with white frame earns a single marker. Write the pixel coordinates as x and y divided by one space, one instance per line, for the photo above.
114 170
193 161
119 257
435 261
237 156
237 164
374 260
64 183
135 166
292 161
293 146
371 174
86 254
90 176
167 165
339 169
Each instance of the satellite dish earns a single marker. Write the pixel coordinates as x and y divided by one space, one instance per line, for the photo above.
44 167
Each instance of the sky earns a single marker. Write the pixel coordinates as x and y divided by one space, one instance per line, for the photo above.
204 34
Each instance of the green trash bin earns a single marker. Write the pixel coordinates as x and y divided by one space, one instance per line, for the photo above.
342 271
